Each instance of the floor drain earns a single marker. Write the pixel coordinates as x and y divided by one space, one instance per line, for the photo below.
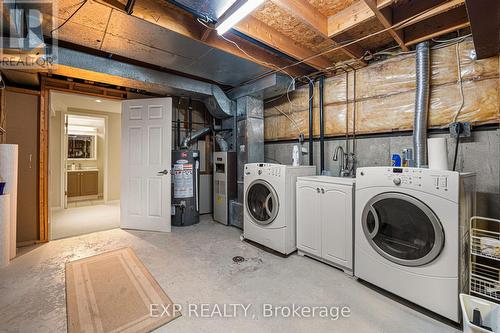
238 259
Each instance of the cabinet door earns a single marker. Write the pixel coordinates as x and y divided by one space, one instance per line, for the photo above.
89 183
73 184
308 218
336 212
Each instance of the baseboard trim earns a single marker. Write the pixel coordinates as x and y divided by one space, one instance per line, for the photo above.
26 243
83 198
112 201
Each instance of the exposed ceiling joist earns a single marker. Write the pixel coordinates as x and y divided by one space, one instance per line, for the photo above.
352 16
316 21
306 13
384 3
484 16
404 10
438 25
176 20
257 54
258 30
384 15
432 12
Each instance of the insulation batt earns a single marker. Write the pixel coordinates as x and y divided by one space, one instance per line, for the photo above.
385 96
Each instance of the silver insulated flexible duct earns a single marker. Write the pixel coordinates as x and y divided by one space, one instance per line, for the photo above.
421 104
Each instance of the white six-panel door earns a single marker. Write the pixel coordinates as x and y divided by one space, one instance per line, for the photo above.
146 163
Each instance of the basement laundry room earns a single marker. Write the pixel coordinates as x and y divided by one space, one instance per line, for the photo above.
250 166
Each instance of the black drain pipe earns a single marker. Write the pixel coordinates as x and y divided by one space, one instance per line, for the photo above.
190 117
178 126
321 126
311 104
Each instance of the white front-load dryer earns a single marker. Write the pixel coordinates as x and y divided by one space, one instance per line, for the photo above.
410 234
269 216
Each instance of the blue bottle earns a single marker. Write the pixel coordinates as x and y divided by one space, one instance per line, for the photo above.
396 160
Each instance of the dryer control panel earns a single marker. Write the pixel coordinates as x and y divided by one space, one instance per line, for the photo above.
439 182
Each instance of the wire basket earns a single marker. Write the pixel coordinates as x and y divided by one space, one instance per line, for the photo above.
484 278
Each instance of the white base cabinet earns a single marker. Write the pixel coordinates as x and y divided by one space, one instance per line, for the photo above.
325 220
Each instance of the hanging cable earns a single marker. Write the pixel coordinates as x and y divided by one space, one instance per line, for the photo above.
458 126
458 129
267 64
70 17
289 118
459 72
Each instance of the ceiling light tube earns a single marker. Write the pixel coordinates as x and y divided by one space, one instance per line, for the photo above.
238 15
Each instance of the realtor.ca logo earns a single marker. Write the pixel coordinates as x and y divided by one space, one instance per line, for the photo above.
23 26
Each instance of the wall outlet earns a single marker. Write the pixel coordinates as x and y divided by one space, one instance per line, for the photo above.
463 128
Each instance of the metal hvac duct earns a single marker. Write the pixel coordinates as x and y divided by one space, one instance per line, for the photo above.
121 73
421 104
194 136
222 143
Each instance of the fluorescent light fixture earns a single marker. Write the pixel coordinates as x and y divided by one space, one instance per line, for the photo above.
238 15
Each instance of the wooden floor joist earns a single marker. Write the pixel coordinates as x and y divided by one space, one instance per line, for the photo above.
484 18
384 15
316 21
256 29
438 25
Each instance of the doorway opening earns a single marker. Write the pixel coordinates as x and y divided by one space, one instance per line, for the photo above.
84 164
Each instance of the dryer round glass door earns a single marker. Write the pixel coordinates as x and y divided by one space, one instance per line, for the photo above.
402 229
262 202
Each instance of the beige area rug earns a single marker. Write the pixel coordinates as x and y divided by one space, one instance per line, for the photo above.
114 292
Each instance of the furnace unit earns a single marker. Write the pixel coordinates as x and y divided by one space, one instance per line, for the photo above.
225 186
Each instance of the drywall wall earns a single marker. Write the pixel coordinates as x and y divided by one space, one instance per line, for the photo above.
385 94
114 155
479 154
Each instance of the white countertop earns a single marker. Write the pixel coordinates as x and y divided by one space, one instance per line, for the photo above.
82 170
329 179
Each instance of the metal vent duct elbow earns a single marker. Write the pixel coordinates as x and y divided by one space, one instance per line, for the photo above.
221 143
421 104
218 104
195 136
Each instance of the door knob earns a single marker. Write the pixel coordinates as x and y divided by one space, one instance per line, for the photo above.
163 173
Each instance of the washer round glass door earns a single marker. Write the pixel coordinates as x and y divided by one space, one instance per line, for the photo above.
262 202
402 229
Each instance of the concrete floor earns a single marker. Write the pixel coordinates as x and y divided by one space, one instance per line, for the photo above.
194 265
84 218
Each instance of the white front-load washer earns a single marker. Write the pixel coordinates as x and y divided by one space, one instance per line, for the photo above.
269 216
411 228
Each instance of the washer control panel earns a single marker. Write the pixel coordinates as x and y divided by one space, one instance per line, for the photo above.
264 169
